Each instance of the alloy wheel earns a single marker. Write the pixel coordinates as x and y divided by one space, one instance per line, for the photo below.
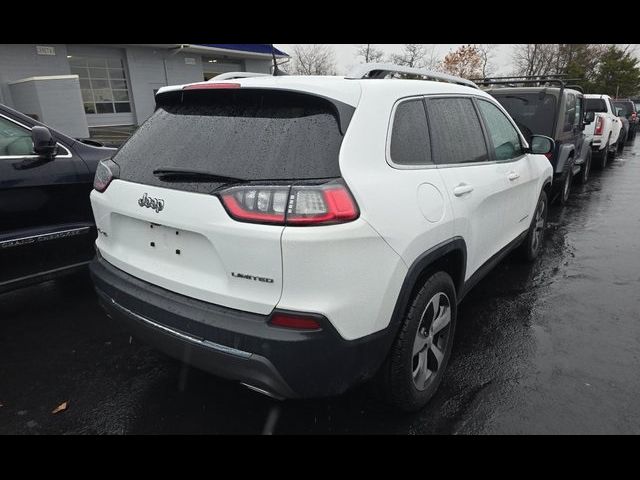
539 223
430 344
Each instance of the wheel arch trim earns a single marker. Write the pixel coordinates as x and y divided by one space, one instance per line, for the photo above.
421 264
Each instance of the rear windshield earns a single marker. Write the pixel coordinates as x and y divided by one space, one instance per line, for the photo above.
249 135
596 105
627 107
534 113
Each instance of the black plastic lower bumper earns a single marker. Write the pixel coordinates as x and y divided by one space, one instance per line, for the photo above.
239 345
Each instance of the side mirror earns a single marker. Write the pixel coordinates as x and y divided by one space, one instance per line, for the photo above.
589 117
44 145
541 145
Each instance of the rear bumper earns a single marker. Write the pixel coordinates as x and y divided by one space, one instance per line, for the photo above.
239 345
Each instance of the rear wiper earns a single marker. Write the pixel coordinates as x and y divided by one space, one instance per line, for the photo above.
168 173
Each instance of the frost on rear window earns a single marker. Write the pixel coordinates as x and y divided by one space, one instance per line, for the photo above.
252 135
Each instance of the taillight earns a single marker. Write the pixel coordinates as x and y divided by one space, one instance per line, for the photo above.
294 321
599 126
634 115
549 155
257 204
107 170
297 205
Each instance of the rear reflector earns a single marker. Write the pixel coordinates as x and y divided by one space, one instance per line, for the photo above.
294 321
210 86
300 205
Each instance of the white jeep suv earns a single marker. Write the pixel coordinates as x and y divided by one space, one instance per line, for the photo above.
304 234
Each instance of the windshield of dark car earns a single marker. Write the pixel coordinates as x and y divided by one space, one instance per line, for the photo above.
533 112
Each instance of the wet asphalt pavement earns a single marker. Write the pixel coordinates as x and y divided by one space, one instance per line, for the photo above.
552 347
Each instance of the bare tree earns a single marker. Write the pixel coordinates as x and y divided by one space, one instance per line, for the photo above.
313 59
487 55
535 58
369 53
416 55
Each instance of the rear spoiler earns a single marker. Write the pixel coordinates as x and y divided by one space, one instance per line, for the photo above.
344 113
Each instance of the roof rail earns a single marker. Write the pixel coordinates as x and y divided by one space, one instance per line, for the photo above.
559 76
540 79
381 70
232 75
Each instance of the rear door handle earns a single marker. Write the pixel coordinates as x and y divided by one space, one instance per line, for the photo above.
513 176
462 189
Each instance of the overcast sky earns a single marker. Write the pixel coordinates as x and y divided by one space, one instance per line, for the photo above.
346 54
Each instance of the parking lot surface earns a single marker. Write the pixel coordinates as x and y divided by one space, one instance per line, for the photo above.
552 347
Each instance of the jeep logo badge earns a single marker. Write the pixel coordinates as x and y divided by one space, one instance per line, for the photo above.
156 204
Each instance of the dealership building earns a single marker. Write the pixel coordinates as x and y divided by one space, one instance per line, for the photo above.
76 87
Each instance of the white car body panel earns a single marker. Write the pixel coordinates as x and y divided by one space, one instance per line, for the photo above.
612 124
212 246
347 273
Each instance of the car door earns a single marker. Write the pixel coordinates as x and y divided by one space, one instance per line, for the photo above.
478 187
616 125
40 206
506 148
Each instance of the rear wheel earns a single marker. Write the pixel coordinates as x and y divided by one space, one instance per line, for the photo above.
612 152
603 157
621 142
586 169
419 356
532 244
563 197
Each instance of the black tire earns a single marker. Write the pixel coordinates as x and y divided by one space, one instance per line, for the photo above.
530 248
603 157
612 153
398 380
621 143
586 169
567 180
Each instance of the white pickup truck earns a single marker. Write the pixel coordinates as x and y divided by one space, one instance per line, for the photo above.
604 130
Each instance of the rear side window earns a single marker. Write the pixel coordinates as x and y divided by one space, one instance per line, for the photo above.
410 134
505 138
456 134
596 105
570 112
245 134
533 112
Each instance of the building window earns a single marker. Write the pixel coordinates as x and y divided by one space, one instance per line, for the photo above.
103 84
214 66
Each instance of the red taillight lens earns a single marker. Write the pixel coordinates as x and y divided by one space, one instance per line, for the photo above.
211 86
599 126
106 171
257 204
294 321
296 205
315 206
549 155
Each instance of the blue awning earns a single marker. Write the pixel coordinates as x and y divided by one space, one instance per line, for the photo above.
261 48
